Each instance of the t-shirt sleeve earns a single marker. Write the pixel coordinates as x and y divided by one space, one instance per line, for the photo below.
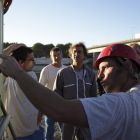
43 79
101 113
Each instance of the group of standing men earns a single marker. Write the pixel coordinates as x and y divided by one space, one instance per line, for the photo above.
71 82
114 115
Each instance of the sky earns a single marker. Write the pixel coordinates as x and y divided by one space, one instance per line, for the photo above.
94 22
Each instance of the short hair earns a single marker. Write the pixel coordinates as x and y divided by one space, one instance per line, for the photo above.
134 45
55 49
135 72
80 44
21 53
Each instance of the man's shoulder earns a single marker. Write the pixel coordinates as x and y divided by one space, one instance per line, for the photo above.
135 89
65 69
88 68
33 75
10 82
47 67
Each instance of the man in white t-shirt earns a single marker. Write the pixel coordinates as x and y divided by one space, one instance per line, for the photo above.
24 116
112 116
47 78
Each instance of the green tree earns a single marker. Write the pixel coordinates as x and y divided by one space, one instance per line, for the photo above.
47 49
64 48
67 46
6 44
38 49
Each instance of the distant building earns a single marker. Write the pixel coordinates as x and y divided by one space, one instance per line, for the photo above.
95 50
93 53
43 61
137 35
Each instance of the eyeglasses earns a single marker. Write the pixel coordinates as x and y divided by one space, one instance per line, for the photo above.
30 60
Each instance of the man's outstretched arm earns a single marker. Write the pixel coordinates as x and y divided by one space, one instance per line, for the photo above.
47 101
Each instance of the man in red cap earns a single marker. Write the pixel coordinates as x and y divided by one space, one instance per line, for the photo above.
112 116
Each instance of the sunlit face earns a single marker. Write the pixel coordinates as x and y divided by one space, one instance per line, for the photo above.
112 76
56 56
29 63
77 55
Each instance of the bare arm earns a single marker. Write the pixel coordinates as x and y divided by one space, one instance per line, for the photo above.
44 99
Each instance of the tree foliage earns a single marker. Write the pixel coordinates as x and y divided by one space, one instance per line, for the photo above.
41 50
47 49
6 44
38 49
64 49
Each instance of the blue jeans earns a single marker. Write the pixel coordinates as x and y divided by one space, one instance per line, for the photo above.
37 135
50 129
